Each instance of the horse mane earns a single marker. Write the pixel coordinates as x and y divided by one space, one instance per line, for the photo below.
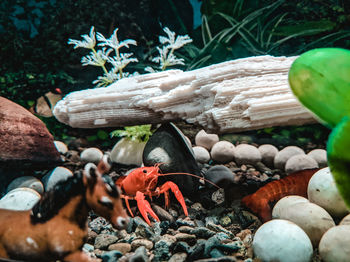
53 200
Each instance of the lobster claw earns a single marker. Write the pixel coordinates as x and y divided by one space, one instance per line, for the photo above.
175 189
145 207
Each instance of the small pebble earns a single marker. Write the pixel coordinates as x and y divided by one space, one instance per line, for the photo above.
141 242
91 155
21 198
268 153
121 247
334 245
320 155
206 140
102 241
140 255
282 156
111 256
300 162
178 257
282 240
247 154
57 175
27 181
222 152
201 154
61 147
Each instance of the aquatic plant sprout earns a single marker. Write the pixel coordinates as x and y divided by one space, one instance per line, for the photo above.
166 53
100 57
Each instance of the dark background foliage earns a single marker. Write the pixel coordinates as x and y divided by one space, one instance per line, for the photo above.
35 56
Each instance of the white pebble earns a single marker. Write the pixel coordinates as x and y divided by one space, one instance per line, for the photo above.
91 155
61 147
206 140
323 191
282 156
223 152
282 240
21 198
300 162
26 181
56 175
201 154
128 152
268 153
284 203
247 154
335 244
320 155
313 219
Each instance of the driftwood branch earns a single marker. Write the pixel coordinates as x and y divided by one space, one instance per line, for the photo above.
242 94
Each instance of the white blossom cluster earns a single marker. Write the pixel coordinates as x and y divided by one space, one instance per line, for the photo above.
102 56
120 60
166 52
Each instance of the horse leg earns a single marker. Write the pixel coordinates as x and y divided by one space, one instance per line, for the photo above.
3 252
78 256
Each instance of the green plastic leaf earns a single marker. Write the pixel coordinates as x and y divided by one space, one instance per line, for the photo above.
320 79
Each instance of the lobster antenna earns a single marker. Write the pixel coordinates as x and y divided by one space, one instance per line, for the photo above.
206 180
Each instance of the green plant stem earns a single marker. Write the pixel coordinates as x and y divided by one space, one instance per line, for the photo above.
103 67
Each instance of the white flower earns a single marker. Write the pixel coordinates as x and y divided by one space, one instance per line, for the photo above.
89 41
122 61
114 42
106 79
98 58
177 43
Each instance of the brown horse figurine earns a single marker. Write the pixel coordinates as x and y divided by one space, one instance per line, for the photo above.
56 227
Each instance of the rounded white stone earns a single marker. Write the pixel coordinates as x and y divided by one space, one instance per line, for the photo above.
247 154
26 181
201 154
56 175
320 155
282 156
334 245
284 203
91 155
282 240
345 220
61 147
223 152
268 153
206 140
21 198
323 191
300 162
313 219
128 152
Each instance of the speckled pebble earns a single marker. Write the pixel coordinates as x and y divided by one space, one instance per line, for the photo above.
282 156
222 152
268 153
121 247
91 155
111 256
178 257
300 162
141 242
189 238
320 155
202 232
206 140
201 154
247 154
102 241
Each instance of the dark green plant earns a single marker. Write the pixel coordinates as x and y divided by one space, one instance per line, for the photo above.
135 133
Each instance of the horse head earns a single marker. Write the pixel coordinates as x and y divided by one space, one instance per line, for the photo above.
102 195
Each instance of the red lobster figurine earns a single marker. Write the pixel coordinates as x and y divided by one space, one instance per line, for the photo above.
143 181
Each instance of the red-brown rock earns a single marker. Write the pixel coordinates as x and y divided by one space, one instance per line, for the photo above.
24 139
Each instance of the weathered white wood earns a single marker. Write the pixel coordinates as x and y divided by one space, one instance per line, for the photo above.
242 94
